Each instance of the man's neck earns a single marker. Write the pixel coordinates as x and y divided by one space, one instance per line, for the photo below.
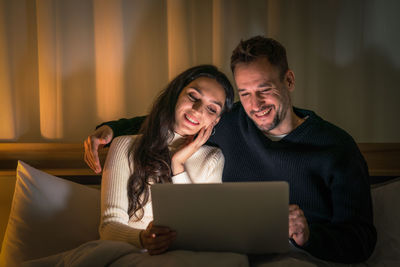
289 123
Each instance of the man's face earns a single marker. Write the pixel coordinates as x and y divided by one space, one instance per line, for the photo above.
264 96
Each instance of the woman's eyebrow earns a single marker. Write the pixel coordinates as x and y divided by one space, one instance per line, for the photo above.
217 103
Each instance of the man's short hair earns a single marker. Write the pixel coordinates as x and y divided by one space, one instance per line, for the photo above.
259 47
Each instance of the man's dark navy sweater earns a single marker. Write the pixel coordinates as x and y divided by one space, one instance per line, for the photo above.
327 175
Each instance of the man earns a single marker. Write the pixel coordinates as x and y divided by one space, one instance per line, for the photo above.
265 138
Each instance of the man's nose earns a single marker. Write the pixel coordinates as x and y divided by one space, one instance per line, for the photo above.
256 102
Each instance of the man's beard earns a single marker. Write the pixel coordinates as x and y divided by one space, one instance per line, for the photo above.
270 126
279 116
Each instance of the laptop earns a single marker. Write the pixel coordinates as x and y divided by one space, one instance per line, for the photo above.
242 217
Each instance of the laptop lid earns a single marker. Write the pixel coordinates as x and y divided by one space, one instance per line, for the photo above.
243 217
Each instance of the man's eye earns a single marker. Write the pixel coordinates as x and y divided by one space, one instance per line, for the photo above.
244 94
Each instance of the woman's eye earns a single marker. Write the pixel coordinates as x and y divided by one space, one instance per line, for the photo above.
191 97
212 110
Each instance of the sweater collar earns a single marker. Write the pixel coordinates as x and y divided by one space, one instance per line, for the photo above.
176 141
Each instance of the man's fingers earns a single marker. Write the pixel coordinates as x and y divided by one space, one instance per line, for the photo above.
94 155
295 231
102 136
296 213
103 140
298 226
293 207
87 157
88 162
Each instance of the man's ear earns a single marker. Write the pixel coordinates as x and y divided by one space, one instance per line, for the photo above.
290 80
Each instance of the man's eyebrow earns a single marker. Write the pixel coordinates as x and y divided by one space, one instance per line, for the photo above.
264 84
201 93
261 85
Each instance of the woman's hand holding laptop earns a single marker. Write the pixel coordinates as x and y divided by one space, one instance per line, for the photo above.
157 239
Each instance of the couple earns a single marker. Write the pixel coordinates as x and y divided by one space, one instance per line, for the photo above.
261 138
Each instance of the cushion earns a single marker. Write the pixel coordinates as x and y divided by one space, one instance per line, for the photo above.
48 215
386 199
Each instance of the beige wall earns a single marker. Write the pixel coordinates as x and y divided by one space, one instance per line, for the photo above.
66 66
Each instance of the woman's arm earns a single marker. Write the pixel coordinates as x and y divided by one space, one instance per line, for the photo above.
193 162
114 195
204 166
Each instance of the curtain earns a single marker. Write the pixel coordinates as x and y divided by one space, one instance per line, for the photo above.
68 65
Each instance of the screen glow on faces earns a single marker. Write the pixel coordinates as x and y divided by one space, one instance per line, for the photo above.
199 104
263 95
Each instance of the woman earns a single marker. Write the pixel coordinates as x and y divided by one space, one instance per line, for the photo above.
169 149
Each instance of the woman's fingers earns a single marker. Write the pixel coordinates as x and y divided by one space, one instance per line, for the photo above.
161 241
203 135
157 239
158 244
157 229
157 251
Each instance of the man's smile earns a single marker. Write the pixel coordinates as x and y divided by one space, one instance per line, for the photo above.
264 113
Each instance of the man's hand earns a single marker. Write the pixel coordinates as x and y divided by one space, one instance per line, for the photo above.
157 239
102 136
298 226
189 148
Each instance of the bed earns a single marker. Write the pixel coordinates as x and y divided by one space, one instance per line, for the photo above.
50 203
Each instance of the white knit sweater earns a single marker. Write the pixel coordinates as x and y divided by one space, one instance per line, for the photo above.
204 166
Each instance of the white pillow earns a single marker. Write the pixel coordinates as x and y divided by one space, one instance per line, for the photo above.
48 215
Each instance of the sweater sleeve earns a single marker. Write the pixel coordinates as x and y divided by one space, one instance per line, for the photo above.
350 236
114 196
205 166
125 126
216 166
182 178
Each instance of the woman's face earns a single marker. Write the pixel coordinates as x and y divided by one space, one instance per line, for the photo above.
199 104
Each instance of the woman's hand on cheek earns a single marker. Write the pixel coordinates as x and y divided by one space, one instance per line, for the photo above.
157 239
189 148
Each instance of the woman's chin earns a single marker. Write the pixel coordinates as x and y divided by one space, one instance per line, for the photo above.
186 131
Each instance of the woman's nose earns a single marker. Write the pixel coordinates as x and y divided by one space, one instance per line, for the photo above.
197 106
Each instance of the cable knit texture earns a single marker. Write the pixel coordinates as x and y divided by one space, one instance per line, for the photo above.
204 166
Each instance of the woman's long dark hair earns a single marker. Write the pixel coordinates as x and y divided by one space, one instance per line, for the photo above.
150 153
